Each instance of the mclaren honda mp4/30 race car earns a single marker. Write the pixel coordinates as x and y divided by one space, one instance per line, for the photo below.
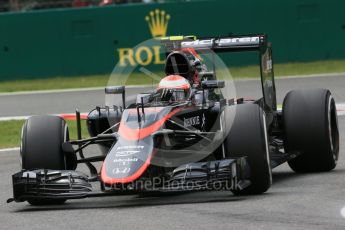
185 135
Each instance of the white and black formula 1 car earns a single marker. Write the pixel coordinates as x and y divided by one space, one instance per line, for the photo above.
182 136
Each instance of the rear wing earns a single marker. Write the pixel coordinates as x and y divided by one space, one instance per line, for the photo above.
215 44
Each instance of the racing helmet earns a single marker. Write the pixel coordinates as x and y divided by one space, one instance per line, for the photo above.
186 63
174 88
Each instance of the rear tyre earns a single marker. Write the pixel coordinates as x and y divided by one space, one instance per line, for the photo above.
41 148
248 137
311 129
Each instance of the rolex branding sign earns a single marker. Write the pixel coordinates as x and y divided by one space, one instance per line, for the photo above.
157 23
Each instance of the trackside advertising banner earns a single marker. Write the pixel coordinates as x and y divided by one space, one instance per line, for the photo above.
85 41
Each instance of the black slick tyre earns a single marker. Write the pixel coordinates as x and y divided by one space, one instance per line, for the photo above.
41 147
311 130
248 137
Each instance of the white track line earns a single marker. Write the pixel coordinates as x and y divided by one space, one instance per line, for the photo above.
66 90
14 118
313 75
10 149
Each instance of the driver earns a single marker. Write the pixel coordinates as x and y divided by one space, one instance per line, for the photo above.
174 88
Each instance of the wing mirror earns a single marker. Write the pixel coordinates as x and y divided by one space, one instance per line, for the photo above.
207 75
114 89
212 84
117 90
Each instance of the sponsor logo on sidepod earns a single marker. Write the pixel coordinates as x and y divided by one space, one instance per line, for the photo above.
125 153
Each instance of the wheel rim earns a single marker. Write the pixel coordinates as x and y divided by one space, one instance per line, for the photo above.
333 132
65 138
21 146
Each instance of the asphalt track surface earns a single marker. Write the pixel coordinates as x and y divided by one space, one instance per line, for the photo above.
67 102
295 201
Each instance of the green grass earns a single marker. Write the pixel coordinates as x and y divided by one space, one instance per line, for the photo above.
10 132
53 83
281 70
68 82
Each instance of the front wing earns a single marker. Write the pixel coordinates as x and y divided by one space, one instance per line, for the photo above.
229 174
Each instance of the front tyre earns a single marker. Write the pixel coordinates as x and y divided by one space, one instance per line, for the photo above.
41 148
248 137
